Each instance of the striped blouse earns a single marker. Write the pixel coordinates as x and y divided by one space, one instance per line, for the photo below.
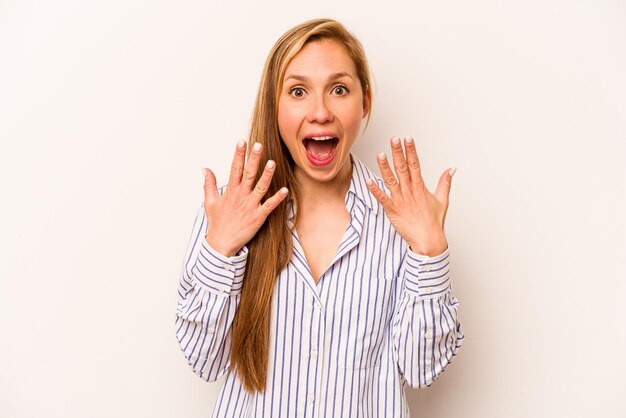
380 317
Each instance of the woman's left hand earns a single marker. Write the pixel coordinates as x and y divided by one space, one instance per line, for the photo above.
416 214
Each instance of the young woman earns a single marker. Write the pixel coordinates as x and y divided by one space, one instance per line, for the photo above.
319 289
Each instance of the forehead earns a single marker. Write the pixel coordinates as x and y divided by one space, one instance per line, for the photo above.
320 58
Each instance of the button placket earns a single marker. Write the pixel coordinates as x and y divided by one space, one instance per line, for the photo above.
316 357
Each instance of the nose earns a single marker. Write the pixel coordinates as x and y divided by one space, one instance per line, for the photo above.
319 112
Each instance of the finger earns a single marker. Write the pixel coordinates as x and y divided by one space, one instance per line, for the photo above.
415 169
249 174
399 162
381 196
387 175
443 188
263 184
236 168
210 186
272 203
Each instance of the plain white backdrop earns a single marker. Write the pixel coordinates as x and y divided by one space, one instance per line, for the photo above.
109 109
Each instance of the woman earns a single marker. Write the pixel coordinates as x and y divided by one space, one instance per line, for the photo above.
329 303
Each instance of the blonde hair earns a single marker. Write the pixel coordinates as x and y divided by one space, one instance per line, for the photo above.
271 248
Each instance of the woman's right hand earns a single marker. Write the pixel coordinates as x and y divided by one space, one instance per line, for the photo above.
236 216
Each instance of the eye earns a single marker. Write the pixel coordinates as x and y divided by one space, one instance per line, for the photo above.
340 90
296 92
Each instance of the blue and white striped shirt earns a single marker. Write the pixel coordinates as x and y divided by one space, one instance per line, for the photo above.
380 317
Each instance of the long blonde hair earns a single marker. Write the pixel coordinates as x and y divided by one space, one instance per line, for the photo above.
271 248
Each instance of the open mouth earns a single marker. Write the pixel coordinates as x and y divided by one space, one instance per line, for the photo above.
320 148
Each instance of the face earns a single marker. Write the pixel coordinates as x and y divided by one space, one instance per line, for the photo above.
320 109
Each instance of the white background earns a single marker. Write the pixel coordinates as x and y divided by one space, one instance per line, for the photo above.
109 109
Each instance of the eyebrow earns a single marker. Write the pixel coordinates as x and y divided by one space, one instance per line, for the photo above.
333 76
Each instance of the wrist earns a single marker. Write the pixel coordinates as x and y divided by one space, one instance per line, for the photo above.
429 251
221 248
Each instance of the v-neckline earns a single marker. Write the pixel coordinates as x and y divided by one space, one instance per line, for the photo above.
349 240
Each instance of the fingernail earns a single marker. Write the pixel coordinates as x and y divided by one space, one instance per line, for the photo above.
409 139
284 190
270 164
382 156
241 143
257 147
395 140
203 171
452 171
369 182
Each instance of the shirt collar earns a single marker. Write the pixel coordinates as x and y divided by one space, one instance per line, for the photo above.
358 187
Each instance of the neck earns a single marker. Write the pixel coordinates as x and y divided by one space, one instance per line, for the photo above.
315 193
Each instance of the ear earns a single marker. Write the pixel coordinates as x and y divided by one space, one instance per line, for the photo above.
367 99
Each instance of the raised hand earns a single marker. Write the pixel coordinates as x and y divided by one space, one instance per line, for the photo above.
416 214
236 216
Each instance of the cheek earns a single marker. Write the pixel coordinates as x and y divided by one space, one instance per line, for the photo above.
285 121
353 116
287 131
